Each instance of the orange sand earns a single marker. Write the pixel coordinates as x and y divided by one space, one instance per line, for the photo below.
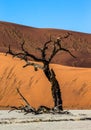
75 85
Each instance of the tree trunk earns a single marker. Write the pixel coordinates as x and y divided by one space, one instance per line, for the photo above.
55 88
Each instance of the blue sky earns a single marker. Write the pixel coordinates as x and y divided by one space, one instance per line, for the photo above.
62 14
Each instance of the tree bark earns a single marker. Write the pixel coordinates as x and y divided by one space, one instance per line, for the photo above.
56 92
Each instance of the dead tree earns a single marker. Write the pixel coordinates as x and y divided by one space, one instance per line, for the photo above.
46 60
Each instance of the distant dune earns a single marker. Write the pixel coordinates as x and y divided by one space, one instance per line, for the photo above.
75 85
78 43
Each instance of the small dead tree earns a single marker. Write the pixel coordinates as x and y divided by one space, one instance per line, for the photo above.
46 60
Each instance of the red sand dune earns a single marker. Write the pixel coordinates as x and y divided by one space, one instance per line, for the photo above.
75 85
78 43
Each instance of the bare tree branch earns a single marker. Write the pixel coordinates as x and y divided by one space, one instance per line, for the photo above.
57 47
43 50
30 55
65 36
19 55
27 108
23 55
35 65
9 51
63 49
23 97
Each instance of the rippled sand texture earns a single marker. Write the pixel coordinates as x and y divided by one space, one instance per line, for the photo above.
75 84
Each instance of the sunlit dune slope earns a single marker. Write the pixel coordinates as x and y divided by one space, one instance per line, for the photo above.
75 85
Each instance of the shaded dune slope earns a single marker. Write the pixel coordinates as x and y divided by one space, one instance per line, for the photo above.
75 85
78 43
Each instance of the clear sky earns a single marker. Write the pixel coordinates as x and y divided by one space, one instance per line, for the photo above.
62 14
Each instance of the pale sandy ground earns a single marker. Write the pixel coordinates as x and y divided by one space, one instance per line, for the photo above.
16 120
75 84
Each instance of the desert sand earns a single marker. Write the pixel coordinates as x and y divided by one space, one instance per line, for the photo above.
78 43
75 85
